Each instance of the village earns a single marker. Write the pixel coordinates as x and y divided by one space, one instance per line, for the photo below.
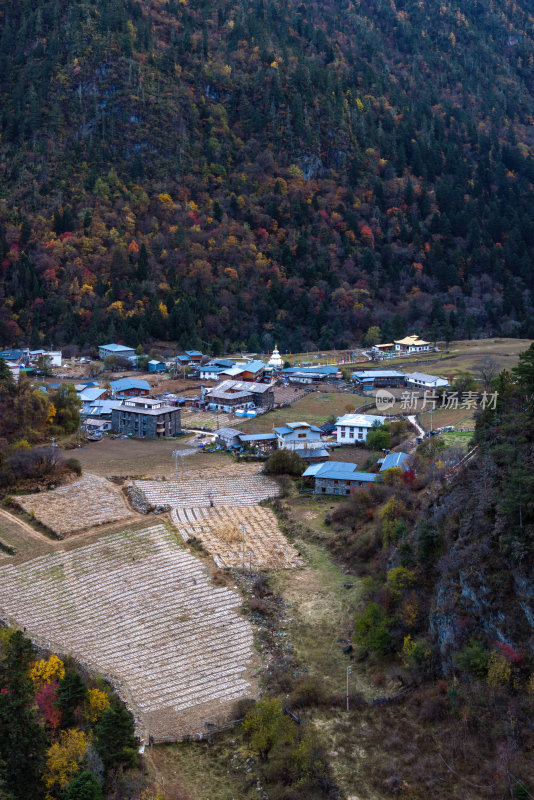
237 405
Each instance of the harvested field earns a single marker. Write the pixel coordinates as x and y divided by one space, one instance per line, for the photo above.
83 504
141 611
142 457
239 485
207 420
220 531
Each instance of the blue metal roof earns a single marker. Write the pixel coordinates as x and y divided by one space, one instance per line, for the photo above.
11 355
117 348
283 430
257 437
123 384
91 393
252 366
193 353
394 460
339 470
367 374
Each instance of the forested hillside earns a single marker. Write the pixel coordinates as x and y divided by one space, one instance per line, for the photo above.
265 171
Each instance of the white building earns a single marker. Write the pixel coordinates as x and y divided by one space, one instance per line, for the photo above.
53 355
411 344
116 350
298 435
276 359
420 380
355 427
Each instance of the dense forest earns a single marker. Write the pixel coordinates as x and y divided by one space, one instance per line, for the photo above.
258 172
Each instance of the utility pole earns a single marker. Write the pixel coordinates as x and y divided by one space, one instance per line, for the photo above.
349 670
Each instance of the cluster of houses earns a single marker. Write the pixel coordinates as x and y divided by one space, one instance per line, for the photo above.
310 443
127 409
28 360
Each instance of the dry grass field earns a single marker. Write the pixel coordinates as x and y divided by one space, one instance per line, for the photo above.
462 355
221 532
86 503
140 610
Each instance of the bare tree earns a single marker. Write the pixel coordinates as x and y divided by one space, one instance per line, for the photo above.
487 368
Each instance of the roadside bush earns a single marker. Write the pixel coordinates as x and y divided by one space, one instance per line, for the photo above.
285 462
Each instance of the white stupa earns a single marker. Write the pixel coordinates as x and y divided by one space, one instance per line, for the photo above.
276 359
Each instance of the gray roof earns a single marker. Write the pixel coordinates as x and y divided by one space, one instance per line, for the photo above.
123 384
228 433
422 376
240 386
153 412
311 452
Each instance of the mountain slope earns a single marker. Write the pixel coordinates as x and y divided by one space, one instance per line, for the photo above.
265 171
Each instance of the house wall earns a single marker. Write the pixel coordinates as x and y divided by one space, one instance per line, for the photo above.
351 433
146 426
131 393
298 439
341 487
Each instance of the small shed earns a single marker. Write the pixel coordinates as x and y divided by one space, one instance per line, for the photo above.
156 366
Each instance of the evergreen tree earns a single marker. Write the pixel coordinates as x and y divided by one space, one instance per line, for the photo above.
71 694
84 787
115 736
22 739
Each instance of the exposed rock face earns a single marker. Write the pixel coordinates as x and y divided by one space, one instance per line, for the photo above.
482 584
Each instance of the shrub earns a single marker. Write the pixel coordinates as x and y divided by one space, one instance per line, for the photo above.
74 465
267 725
285 462
474 659
499 670
378 440
399 580
371 629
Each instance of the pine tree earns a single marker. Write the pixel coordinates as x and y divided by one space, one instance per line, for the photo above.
115 736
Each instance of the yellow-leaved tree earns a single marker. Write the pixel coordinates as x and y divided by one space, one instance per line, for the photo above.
63 760
46 671
97 702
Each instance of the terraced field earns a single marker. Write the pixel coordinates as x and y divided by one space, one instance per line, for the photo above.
238 485
221 532
142 611
86 503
